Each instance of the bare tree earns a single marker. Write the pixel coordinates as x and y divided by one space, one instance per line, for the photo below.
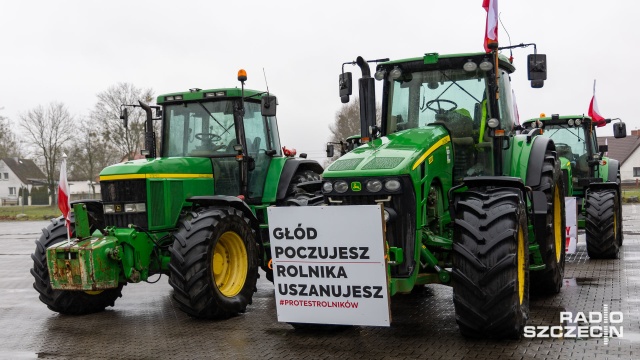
347 122
49 128
106 115
9 143
90 154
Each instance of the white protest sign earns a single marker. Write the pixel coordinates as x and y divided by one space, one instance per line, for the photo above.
329 265
571 212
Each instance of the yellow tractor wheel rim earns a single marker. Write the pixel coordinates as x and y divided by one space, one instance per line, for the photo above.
521 265
558 231
229 264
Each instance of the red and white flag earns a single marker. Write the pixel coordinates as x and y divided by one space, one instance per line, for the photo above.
63 194
491 28
594 113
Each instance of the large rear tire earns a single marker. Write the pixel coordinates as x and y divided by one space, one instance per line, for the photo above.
214 263
603 224
490 263
68 302
552 246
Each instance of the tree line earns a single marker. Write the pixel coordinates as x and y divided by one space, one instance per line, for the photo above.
91 141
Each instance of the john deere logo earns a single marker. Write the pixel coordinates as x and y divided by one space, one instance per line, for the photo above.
118 208
356 186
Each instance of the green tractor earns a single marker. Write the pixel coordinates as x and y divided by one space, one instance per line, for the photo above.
467 201
197 212
594 179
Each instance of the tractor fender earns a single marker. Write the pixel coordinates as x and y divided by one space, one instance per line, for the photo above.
613 167
536 159
290 168
232 201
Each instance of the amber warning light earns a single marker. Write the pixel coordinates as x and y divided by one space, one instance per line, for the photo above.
242 75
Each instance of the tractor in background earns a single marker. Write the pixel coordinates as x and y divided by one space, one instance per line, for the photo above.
467 201
590 176
195 211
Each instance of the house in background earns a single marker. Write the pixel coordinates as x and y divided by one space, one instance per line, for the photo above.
17 174
627 152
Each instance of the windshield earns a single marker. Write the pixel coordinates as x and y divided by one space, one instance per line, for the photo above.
199 129
449 96
570 141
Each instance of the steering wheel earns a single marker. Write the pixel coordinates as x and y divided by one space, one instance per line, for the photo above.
441 110
208 137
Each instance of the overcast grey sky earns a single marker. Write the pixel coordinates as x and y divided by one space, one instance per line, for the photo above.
67 51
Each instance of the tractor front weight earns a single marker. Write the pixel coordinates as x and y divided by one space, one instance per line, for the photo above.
94 262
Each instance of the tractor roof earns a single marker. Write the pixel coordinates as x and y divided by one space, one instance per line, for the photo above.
449 59
198 94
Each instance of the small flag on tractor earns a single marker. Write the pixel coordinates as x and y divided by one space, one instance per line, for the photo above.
491 27
63 195
594 113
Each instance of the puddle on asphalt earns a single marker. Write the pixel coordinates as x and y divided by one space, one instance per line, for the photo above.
580 281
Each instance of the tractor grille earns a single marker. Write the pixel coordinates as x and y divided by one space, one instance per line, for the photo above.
400 231
122 192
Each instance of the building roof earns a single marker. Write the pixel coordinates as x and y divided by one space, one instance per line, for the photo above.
620 149
26 170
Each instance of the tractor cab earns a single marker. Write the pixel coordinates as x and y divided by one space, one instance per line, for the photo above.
235 131
454 92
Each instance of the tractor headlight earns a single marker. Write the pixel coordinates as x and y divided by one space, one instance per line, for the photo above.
374 185
470 66
327 187
109 209
341 186
486 65
578 122
396 73
392 185
493 123
380 74
138 207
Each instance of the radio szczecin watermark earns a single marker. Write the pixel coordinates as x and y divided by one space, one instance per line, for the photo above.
594 324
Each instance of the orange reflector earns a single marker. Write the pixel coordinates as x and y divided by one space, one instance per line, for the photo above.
241 197
242 75
543 115
365 139
239 157
499 132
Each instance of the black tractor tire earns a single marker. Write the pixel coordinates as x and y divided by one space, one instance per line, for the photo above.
299 177
491 263
602 223
68 302
214 263
619 232
552 247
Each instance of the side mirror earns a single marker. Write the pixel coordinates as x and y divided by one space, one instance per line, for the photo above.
330 150
269 104
159 113
619 130
344 84
124 116
537 68
603 148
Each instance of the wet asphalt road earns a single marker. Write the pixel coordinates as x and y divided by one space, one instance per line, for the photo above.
146 324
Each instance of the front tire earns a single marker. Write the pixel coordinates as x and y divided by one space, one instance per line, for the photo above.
490 263
68 302
214 263
603 224
552 246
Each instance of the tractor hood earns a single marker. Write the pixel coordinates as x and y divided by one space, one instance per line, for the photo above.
183 167
395 154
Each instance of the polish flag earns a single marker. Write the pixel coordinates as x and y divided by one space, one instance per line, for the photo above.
63 194
594 113
491 28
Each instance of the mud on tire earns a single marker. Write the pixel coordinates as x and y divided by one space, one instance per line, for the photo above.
552 243
490 263
66 301
603 224
214 263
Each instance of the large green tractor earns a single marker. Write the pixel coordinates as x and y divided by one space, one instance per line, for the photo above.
467 201
594 179
196 212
